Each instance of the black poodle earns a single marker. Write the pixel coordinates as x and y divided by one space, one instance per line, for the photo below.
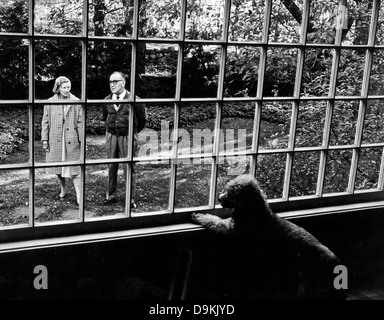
272 257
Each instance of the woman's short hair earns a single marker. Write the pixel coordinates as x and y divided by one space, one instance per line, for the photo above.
58 82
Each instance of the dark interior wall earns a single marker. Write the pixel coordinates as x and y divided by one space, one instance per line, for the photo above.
149 267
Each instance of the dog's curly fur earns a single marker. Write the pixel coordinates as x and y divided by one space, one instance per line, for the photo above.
283 260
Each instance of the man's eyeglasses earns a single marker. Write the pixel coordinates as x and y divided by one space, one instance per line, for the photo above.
114 82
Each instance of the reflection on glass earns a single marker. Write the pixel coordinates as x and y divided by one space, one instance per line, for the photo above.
310 123
368 168
373 122
111 18
205 19
56 195
193 183
14 69
159 19
200 71
376 78
103 59
343 126
337 171
350 72
13 16
317 72
380 27
246 20
280 74
55 58
14 134
14 197
58 17
157 75
304 176
241 71
270 171
275 125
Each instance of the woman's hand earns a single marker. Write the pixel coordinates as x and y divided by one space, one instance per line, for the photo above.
46 146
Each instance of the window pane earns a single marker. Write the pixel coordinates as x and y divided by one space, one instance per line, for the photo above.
377 74
193 182
275 125
280 73
304 174
350 73
310 124
205 19
317 72
368 169
55 58
159 19
14 197
237 127
337 171
14 16
157 75
241 71
14 69
14 134
380 27
103 59
285 22
270 172
111 18
59 17
373 122
343 127
200 71
55 196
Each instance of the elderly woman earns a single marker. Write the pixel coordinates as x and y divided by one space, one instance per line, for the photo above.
61 135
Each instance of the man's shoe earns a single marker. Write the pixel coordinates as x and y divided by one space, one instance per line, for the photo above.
109 201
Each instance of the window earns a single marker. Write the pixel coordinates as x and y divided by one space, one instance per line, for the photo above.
290 91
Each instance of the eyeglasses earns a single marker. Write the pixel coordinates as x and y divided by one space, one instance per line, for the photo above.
114 82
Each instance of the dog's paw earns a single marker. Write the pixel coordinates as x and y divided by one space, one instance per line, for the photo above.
197 217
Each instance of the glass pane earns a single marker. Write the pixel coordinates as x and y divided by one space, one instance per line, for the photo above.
55 194
380 27
275 125
237 126
270 172
156 77
376 79
40 152
14 69
103 59
159 19
246 20
14 197
152 186
368 169
280 72
200 71
350 73
14 16
196 128
317 72
193 182
205 19
55 58
111 18
305 170
156 139
14 134
343 126
241 71
310 123
373 122
337 171
285 21
229 168
323 21
59 17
